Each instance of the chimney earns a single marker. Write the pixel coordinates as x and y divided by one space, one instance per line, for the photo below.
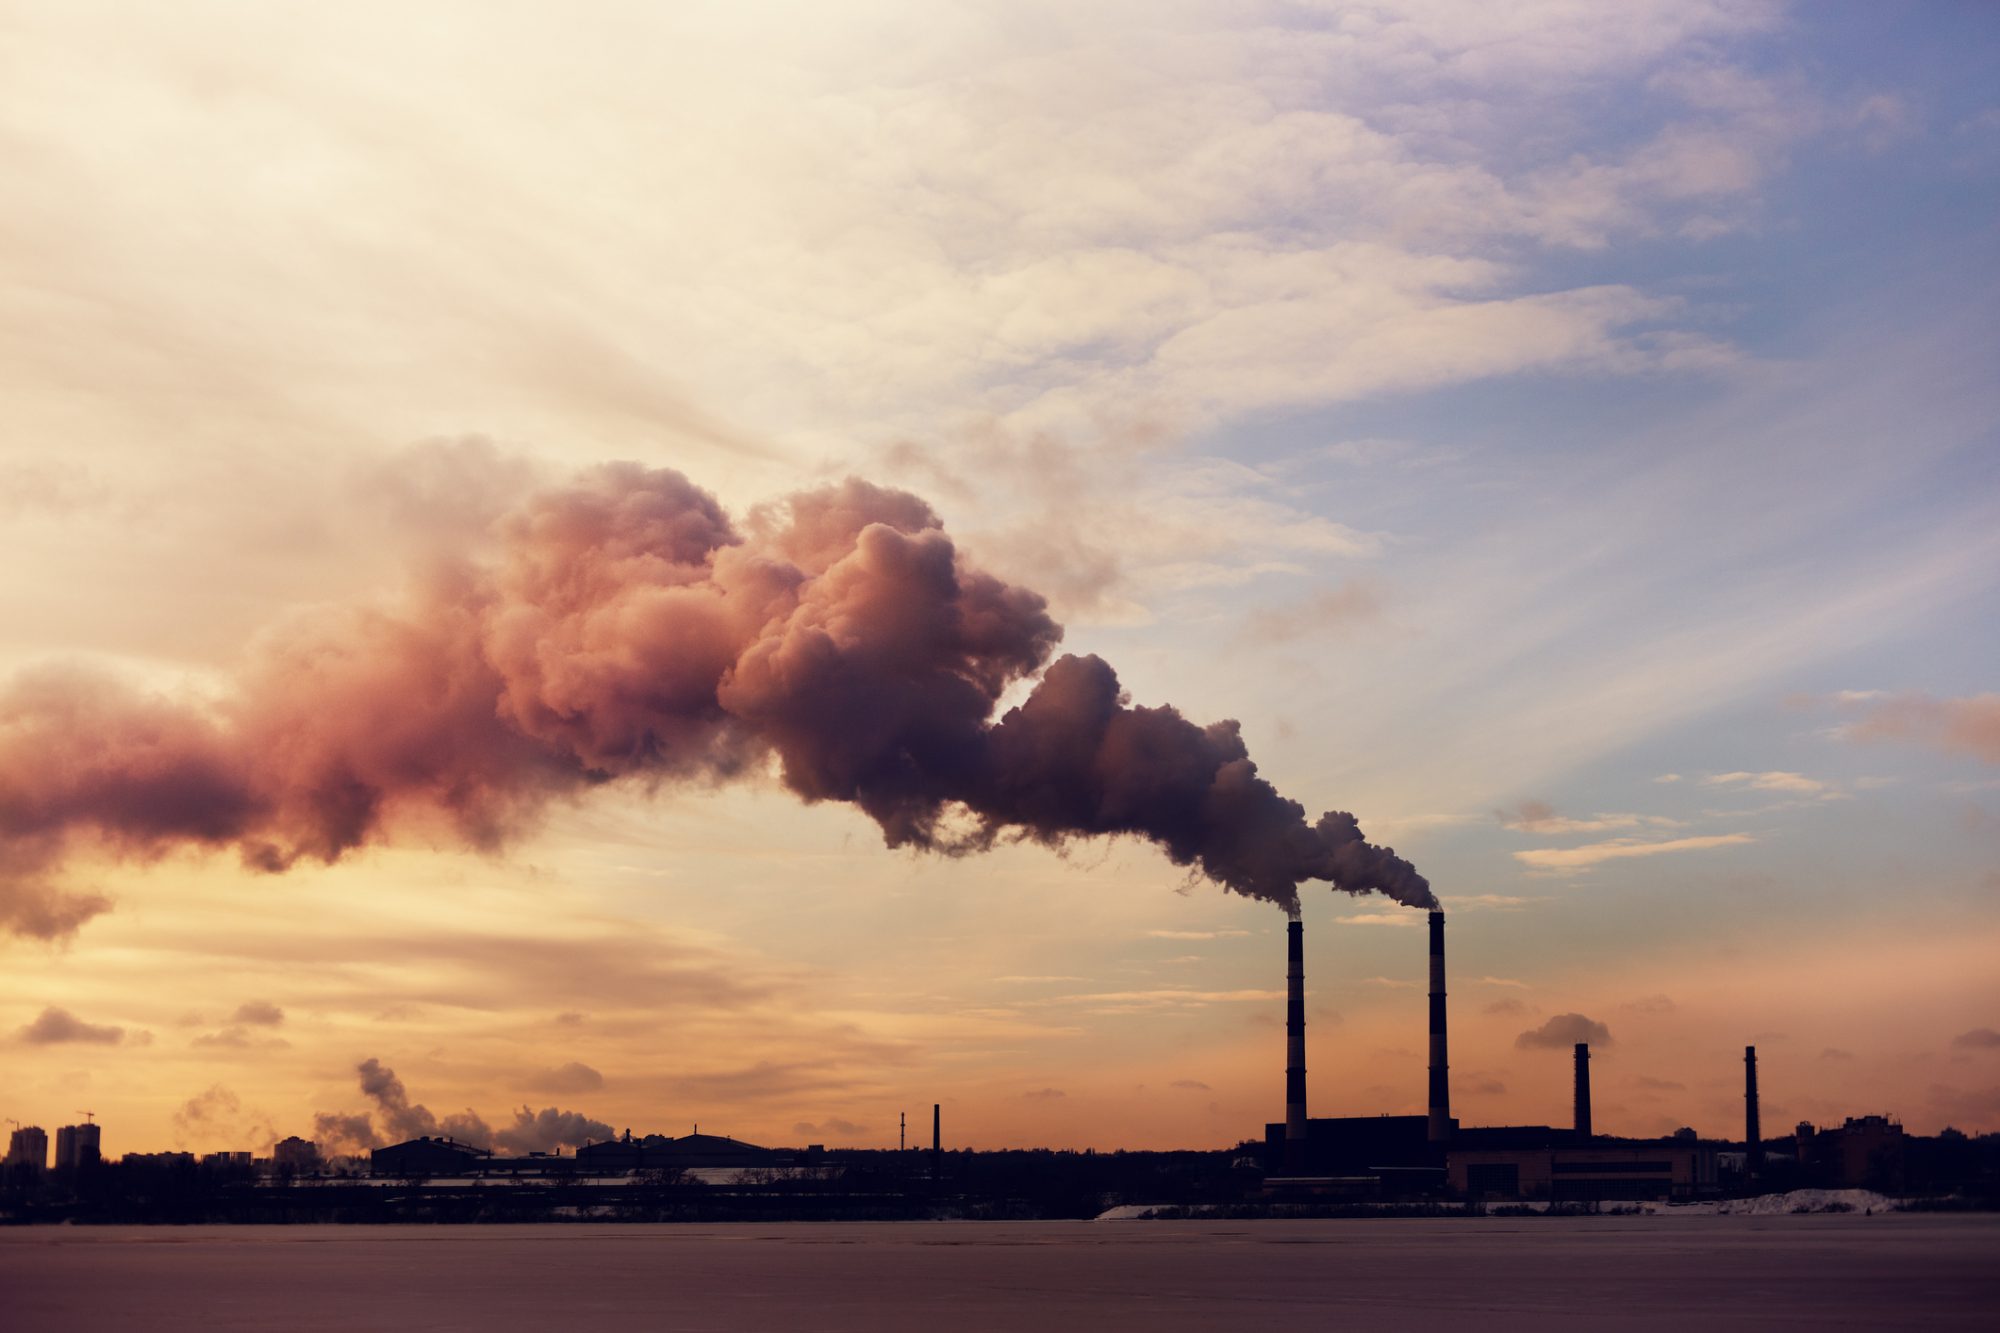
1753 1133
1440 1124
1583 1091
1295 1048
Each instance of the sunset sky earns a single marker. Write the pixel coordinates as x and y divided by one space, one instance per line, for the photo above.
1563 435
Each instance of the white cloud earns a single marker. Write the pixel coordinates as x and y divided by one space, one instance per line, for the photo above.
1567 860
1797 783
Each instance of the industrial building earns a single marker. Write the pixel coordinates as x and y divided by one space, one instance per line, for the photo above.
428 1156
1429 1154
657 1152
1866 1152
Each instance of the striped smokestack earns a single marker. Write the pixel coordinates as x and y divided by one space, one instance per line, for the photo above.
1295 1047
1583 1090
1753 1133
1440 1123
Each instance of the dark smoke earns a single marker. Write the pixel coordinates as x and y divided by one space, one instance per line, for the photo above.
626 630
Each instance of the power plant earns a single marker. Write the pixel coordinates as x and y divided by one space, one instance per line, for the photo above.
1433 1154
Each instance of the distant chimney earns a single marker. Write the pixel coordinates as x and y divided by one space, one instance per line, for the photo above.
1295 1048
1440 1120
1753 1133
1583 1090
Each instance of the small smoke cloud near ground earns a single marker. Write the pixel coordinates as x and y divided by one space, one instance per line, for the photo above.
1564 1031
622 628
396 1118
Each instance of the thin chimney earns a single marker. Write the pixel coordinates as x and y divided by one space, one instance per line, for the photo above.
1295 1048
937 1141
1440 1119
1753 1133
1583 1090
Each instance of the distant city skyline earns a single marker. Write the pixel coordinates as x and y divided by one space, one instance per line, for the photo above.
1563 438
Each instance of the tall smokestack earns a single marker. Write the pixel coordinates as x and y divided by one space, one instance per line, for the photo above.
1583 1090
1753 1133
1295 1047
1440 1126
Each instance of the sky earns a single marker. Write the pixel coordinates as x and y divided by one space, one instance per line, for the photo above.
1560 435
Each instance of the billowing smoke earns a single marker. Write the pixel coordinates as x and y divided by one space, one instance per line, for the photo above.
549 1129
396 1118
624 629
402 1119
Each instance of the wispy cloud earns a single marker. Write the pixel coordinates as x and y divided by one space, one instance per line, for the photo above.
1795 783
1567 860
1382 919
1196 934
1541 817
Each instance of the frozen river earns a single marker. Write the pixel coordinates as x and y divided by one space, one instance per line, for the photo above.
1707 1273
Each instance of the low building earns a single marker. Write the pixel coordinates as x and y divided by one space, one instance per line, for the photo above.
428 1156
1616 1169
234 1161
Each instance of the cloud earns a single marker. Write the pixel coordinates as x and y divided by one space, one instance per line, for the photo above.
1481 1086
1793 783
1192 1084
1196 934
1044 1095
1967 726
1490 902
1541 817
238 1038
569 1078
54 1026
1978 1039
1388 983
1509 1005
1501 981
1569 860
1650 1004
1564 1031
1668 777
258 1013
1381 919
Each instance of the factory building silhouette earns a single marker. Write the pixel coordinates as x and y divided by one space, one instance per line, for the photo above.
1361 1156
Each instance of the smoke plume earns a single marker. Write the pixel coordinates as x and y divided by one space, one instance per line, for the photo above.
396 1118
622 629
